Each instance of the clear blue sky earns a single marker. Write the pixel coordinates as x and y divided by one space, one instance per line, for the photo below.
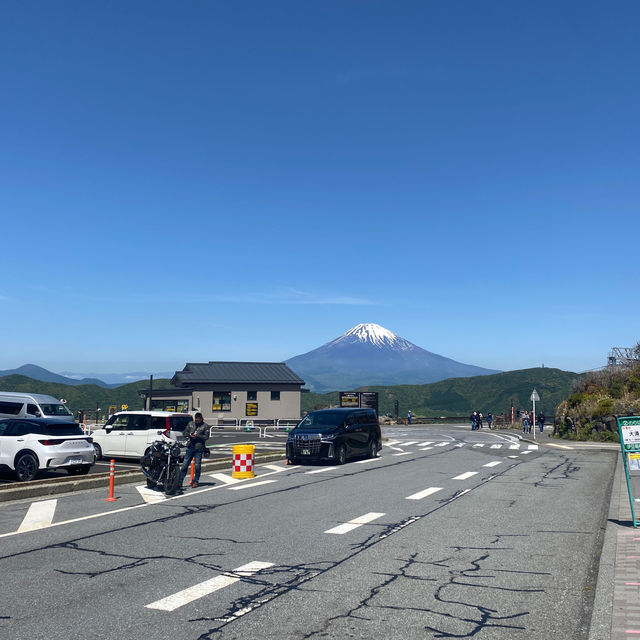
203 180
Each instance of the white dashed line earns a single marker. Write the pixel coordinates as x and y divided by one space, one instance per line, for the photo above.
410 442
369 460
355 523
151 496
464 476
425 444
223 478
39 516
514 446
426 449
404 453
173 602
321 470
492 464
251 484
496 446
533 447
424 494
524 453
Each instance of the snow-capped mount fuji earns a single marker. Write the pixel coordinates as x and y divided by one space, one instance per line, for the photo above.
369 354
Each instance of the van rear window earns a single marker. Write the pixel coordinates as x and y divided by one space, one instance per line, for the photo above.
55 410
11 408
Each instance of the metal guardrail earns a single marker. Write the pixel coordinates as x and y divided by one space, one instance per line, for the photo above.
261 425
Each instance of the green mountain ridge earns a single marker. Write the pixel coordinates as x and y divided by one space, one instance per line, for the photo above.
454 396
460 396
83 397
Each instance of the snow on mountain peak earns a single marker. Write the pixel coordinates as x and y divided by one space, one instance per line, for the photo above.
375 334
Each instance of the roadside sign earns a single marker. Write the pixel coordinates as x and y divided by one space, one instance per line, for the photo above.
629 432
349 399
112 409
534 396
124 407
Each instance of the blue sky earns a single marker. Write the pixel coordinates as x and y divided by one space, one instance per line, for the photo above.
248 180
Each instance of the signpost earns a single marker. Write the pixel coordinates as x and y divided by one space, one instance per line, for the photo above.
629 432
361 399
534 398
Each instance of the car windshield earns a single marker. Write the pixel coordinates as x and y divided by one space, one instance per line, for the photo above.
55 410
55 430
324 419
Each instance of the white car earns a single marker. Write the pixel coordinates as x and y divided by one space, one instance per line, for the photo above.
28 446
129 434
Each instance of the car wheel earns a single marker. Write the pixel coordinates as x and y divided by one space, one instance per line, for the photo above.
97 451
341 454
26 467
373 449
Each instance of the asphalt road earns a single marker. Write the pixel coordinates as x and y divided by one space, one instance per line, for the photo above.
445 535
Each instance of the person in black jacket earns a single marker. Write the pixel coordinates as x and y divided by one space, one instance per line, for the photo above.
196 433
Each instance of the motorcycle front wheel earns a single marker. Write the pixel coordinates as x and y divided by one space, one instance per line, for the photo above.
173 478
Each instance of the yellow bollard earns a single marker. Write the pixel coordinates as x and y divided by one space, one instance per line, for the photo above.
243 461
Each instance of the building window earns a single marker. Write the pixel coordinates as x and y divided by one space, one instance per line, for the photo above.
252 396
275 395
175 406
221 401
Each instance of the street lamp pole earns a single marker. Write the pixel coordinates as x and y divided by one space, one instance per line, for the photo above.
534 398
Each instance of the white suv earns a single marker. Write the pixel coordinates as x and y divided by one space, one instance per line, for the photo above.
28 446
129 434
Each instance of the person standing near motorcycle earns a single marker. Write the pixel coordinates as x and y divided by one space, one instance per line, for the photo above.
196 434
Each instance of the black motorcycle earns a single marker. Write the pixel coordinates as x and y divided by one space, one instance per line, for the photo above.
161 465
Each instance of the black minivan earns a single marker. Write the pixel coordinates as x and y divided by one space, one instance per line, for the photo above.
335 434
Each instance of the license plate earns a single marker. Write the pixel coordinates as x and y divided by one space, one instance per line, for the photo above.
76 460
305 452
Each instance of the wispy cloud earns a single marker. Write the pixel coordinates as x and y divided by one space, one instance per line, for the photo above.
289 295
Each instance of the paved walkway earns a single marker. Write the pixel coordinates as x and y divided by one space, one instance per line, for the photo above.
616 612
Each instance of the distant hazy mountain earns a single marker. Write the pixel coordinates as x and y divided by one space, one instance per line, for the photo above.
116 379
39 373
369 354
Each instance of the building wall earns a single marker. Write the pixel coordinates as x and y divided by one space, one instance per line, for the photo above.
288 406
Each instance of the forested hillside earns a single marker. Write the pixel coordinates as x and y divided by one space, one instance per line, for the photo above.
83 397
460 396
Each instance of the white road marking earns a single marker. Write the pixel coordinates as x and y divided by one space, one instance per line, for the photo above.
423 494
355 523
425 444
514 446
370 460
524 453
496 446
492 464
223 478
321 470
390 443
461 444
464 476
404 453
515 457
478 445
251 484
275 467
409 442
39 516
173 602
443 444
533 447
426 449
149 495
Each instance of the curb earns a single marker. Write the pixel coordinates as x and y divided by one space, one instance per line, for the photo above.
37 488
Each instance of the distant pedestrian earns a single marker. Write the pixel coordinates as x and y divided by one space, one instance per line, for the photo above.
409 417
524 416
479 420
541 421
196 433
472 418
489 420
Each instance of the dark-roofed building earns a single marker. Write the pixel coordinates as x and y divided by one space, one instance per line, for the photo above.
232 390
